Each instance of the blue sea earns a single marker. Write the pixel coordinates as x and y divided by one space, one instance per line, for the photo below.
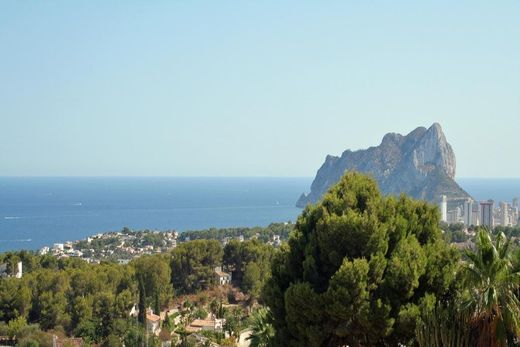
35 212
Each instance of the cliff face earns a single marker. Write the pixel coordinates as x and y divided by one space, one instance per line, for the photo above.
421 164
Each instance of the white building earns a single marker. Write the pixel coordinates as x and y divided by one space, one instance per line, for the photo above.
443 206
476 215
504 214
222 277
17 272
468 212
134 312
44 250
454 216
276 241
486 213
514 216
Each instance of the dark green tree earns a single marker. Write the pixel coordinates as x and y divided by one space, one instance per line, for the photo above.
156 305
103 312
81 310
142 300
15 298
357 269
154 272
134 336
249 263
253 280
193 264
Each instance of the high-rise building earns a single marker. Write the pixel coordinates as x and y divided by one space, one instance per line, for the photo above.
515 212
486 213
476 216
504 214
443 206
468 212
454 216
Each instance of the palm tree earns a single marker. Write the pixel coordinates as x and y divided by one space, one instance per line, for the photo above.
262 330
492 282
444 326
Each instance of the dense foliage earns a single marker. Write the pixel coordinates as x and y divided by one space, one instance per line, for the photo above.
249 263
262 332
485 311
80 299
492 282
508 231
357 269
193 265
360 269
263 234
70 297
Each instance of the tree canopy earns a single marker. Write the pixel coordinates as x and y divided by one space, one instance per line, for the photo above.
249 263
357 268
193 264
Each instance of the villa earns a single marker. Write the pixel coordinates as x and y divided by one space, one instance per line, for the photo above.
222 277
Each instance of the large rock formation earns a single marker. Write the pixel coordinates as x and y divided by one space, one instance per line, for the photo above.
420 164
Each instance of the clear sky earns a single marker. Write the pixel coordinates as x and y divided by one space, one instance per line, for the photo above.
252 88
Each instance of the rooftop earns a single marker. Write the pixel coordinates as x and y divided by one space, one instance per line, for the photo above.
152 317
199 323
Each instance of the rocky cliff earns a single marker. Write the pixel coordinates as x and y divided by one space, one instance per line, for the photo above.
421 164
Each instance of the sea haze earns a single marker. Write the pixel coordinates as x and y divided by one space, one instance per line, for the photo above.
35 212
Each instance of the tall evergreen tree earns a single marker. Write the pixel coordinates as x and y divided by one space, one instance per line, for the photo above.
142 300
357 269
156 306
193 264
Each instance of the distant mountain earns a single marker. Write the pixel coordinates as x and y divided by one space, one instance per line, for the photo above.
421 164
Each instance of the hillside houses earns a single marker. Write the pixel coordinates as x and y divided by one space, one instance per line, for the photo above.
7 271
119 246
222 278
212 324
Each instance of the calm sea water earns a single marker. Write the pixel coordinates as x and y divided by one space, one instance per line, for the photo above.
40 211
35 212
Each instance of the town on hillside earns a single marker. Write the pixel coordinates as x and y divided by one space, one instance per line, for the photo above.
125 245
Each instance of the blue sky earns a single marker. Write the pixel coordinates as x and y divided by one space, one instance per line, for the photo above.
252 88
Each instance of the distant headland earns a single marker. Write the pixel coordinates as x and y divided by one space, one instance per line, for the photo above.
421 164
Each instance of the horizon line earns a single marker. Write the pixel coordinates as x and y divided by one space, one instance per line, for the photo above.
211 176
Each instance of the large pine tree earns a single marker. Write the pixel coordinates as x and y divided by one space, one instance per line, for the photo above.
357 269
